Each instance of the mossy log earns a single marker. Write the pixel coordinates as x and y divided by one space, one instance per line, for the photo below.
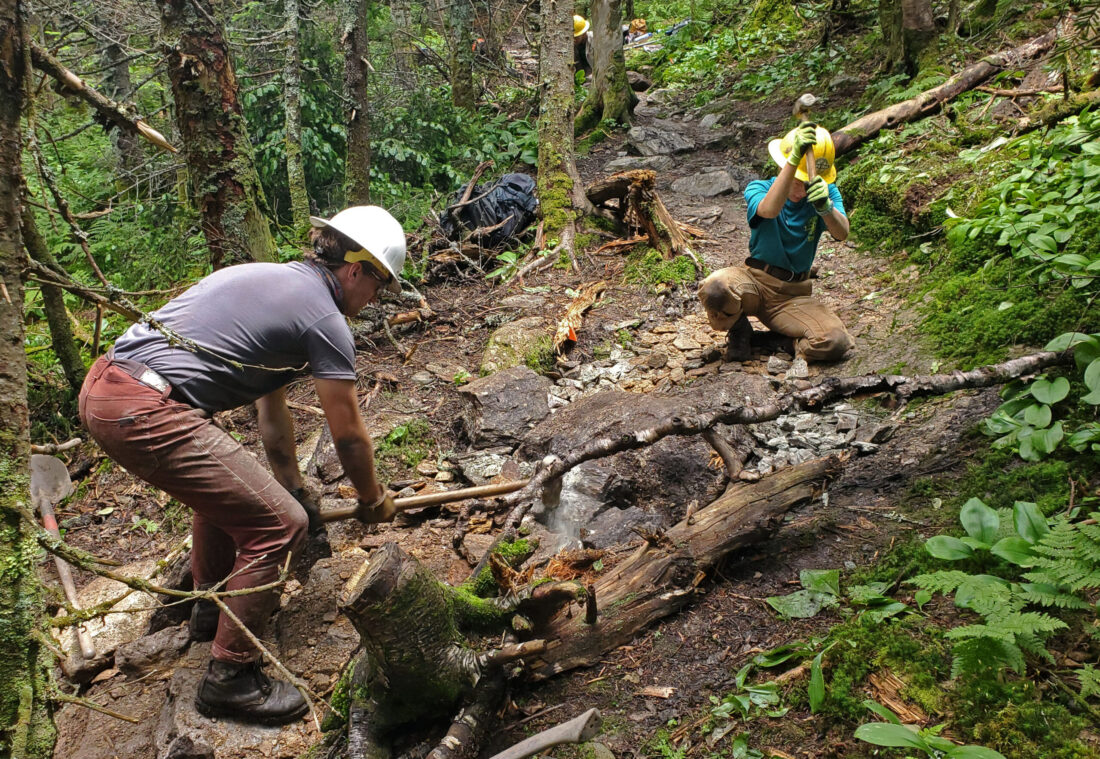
630 199
660 577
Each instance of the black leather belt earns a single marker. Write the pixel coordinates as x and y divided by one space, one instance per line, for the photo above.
777 271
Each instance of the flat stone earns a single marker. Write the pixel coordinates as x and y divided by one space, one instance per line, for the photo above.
685 343
631 163
776 365
647 140
423 378
864 447
480 467
676 375
446 372
707 185
657 359
846 422
711 121
524 301
638 82
501 408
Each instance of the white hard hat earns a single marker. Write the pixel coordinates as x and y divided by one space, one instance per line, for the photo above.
380 234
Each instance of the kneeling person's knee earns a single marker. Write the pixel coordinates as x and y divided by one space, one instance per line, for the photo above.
834 344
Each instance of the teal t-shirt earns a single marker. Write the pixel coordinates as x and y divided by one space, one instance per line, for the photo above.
790 239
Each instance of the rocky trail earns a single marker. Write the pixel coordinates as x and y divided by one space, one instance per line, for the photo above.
636 350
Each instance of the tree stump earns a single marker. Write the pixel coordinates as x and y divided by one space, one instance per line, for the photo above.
630 199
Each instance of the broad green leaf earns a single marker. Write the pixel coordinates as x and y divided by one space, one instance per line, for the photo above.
921 597
780 654
948 548
882 613
1066 340
888 734
1029 522
821 580
817 684
882 711
974 752
977 545
1050 391
1037 415
802 604
1015 551
1092 376
1045 441
979 521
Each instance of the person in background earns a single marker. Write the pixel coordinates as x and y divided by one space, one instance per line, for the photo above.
787 216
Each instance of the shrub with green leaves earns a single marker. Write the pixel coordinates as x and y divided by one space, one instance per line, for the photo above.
1026 420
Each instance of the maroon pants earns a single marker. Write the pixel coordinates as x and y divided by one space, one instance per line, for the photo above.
245 523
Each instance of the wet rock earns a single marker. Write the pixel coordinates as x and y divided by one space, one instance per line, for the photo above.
501 408
629 163
152 652
509 344
647 141
638 82
708 184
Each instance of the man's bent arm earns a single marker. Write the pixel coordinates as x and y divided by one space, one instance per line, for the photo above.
837 224
777 194
349 434
277 433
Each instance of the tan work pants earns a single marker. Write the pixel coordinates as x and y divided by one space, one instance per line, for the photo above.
783 307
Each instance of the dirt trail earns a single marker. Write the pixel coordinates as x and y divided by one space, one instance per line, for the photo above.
695 653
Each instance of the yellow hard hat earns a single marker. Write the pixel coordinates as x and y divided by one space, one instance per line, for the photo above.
580 26
823 149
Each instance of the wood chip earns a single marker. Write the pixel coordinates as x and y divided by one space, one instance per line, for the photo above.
886 688
656 691
574 315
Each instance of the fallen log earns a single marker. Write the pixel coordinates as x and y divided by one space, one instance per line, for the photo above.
849 137
659 579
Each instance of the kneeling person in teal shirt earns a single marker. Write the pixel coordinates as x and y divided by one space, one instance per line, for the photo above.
787 216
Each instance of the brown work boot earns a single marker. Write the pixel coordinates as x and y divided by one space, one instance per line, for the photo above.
244 692
739 341
204 618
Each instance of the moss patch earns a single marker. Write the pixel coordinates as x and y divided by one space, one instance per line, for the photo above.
646 266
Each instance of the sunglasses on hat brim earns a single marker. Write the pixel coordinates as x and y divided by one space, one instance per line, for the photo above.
373 267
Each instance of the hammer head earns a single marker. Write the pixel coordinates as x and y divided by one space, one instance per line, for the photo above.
803 105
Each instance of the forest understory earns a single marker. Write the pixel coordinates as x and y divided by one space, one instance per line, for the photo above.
969 511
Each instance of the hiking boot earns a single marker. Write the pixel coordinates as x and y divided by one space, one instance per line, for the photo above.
204 620
739 341
244 692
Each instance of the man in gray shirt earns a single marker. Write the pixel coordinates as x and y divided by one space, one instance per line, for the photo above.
238 337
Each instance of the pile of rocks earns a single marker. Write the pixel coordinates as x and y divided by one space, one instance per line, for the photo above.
793 439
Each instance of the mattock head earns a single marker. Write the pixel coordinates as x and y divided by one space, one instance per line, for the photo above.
803 105
551 489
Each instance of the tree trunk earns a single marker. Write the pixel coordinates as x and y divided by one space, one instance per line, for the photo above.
611 98
918 29
292 105
556 168
403 52
889 19
215 137
462 54
53 298
357 166
25 720
928 102
117 86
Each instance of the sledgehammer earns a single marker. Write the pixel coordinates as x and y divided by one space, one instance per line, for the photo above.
801 111
361 512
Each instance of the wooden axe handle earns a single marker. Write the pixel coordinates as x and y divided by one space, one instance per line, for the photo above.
49 522
430 499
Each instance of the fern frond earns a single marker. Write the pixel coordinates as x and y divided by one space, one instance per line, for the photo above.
944 581
980 631
1090 681
1050 595
978 655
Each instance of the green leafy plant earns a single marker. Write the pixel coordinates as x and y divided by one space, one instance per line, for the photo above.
748 700
896 735
1026 420
820 590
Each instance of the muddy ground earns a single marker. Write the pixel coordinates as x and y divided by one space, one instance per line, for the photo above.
694 654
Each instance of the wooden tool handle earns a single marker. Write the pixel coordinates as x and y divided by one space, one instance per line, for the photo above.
430 499
65 575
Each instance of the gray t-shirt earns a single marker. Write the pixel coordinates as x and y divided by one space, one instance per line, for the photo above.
280 316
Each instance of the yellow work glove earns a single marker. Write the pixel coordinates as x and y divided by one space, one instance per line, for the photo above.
817 192
805 137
